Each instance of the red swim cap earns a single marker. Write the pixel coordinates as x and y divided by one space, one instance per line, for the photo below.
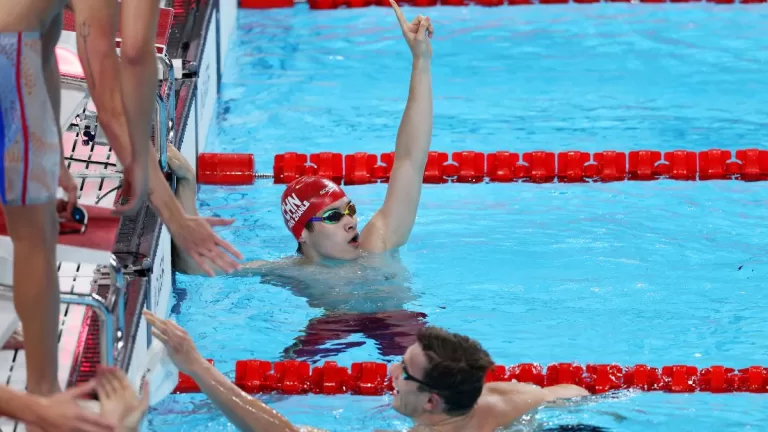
306 196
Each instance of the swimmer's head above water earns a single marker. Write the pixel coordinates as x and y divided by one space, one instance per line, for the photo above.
440 376
321 218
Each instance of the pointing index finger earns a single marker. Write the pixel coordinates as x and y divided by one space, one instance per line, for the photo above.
399 14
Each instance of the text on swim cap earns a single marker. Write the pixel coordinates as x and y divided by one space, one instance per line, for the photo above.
293 208
328 189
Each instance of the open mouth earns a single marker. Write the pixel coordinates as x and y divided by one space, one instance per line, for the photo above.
354 240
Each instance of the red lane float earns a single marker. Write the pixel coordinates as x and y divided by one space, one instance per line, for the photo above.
226 169
335 4
535 166
265 4
372 378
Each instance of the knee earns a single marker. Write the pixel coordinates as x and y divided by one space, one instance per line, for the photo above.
33 226
137 53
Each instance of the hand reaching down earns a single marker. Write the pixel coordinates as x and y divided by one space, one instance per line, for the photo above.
62 412
135 186
119 403
195 236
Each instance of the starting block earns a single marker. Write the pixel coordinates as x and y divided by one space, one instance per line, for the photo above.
94 247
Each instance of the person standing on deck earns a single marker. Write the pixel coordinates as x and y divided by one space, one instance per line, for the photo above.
32 164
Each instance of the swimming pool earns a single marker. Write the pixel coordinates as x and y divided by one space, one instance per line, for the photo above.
635 272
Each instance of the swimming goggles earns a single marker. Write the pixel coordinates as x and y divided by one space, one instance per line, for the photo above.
408 377
334 216
77 225
438 390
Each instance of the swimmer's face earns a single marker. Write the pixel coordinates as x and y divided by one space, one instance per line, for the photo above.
335 240
411 398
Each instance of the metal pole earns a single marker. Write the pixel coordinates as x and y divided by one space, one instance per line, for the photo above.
106 327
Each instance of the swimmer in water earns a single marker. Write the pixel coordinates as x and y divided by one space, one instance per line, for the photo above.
353 275
318 213
439 385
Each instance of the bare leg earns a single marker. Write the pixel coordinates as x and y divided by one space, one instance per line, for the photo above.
34 231
138 71
96 30
96 27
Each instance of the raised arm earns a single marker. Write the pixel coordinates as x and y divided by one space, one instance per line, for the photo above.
391 226
245 412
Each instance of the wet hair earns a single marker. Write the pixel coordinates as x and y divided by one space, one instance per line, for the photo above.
456 368
310 226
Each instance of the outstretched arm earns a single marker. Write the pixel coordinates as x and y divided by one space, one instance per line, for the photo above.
186 195
392 225
245 412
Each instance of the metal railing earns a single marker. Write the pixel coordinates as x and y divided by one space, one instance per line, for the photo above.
111 331
112 334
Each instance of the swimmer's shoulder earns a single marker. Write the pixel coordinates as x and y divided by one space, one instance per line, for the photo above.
503 403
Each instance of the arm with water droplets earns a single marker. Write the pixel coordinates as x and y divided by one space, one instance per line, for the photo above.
244 411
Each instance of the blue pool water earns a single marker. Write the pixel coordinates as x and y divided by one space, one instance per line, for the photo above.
657 273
